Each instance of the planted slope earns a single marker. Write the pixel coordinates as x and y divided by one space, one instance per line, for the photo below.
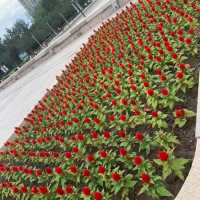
106 129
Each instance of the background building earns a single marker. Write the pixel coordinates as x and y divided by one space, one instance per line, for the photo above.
29 5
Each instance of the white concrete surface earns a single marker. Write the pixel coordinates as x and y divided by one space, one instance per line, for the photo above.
18 99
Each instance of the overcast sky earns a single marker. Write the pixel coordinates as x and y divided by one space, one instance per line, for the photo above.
10 11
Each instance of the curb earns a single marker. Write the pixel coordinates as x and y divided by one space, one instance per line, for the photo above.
191 187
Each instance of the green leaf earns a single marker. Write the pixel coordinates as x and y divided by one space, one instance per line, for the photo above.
163 192
189 113
166 171
158 162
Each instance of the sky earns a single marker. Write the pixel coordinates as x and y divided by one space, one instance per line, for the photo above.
10 11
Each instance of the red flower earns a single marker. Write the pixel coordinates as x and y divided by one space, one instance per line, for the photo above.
74 149
58 170
103 154
137 160
73 169
121 134
179 75
87 120
162 77
96 120
85 190
94 134
24 189
42 189
164 91
34 189
179 113
154 114
122 117
145 178
114 103
188 41
146 84
150 92
106 134
138 136
15 190
122 151
163 155
59 191
174 56
90 157
133 87
86 172
97 196
48 170
101 169
68 189
68 154
115 176
111 118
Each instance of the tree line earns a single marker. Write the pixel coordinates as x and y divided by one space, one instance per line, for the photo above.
49 17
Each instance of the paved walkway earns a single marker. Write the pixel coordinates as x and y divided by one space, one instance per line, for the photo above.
19 98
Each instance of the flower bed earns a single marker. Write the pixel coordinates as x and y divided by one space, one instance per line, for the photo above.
108 128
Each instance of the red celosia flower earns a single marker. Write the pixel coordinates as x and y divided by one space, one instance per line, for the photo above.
121 133
137 160
94 134
58 170
87 120
101 169
86 172
188 41
96 120
114 103
24 189
164 91
163 155
68 154
106 134
115 176
103 154
145 178
174 56
150 92
138 136
146 84
133 87
74 149
59 191
73 169
48 170
97 196
179 113
122 117
42 189
68 189
122 151
179 75
154 114
34 189
111 118
90 157
85 190
15 189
